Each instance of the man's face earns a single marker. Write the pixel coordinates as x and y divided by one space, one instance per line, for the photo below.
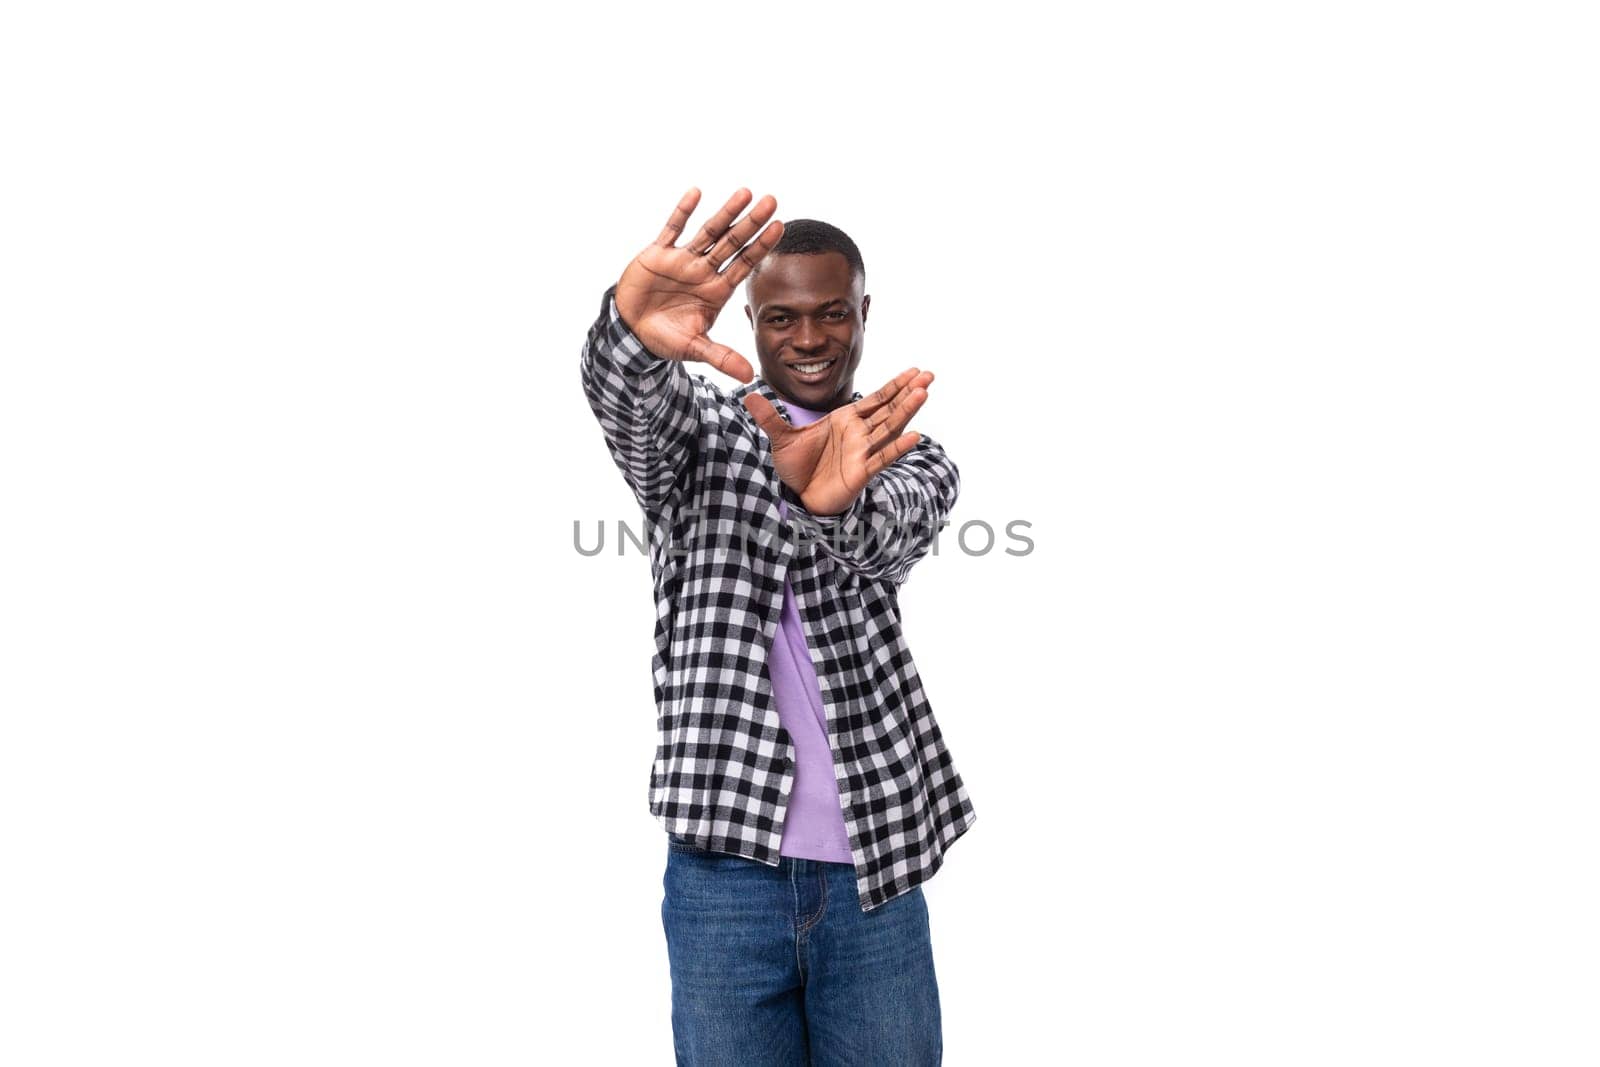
806 310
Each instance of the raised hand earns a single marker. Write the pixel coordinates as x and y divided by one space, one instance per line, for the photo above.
829 462
670 295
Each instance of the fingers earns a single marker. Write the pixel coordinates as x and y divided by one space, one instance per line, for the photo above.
890 422
679 219
908 378
766 416
888 410
725 359
875 400
718 224
891 452
742 230
720 237
750 255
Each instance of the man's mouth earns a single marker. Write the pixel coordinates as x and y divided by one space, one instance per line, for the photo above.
812 372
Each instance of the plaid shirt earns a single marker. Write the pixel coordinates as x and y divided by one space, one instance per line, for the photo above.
702 471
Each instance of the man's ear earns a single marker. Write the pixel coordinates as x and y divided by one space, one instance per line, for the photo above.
866 302
751 319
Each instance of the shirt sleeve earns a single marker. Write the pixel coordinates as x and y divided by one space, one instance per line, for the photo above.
893 522
645 405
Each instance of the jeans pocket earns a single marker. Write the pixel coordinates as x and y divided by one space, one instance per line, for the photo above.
679 844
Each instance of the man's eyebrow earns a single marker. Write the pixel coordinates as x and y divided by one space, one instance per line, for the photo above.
785 307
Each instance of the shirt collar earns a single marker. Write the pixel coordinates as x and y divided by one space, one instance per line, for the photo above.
761 385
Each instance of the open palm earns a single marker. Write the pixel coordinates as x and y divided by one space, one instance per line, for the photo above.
670 295
830 461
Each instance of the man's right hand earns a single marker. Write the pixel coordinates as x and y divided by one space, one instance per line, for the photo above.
669 296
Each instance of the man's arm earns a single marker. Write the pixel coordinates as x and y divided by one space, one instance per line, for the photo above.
892 523
871 493
657 317
645 406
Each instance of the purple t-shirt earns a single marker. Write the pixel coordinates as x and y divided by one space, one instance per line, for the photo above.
813 824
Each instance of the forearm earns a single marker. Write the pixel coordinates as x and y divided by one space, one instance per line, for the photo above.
645 405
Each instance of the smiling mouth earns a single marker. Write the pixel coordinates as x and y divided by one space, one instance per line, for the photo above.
812 371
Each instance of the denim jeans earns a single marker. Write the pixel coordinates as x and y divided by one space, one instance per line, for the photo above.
780 967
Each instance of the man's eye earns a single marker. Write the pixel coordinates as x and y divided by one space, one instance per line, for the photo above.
836 315
776 319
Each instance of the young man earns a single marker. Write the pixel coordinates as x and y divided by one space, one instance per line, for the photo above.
800 776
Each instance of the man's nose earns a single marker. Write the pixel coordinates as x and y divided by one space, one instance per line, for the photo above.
808 337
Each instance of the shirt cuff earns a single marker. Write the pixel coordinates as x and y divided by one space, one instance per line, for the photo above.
841 533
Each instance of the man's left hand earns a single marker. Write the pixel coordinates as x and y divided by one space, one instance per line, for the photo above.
829 462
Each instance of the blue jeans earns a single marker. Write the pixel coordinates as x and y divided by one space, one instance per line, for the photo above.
780 967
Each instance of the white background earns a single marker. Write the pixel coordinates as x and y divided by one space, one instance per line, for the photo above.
322 745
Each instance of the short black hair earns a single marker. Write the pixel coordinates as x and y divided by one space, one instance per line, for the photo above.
811 237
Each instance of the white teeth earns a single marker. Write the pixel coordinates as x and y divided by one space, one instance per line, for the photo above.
812 368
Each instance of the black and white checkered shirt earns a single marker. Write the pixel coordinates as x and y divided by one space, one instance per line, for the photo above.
702 471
